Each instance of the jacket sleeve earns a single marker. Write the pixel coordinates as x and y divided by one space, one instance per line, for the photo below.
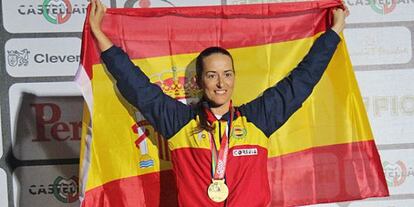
271 110
165 114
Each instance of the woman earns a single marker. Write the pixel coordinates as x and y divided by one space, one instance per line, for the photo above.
219 152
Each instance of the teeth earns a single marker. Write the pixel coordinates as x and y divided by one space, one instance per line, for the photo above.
221 92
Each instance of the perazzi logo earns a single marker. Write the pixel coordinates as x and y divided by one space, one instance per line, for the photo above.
396 174
54 11
379 6
64 190
143 3
52 128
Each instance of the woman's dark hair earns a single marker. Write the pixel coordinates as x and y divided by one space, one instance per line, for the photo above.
203 124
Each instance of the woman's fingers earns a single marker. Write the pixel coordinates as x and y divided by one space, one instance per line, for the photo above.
346 9
99 6
93 7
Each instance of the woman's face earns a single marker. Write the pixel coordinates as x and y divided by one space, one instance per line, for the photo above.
217 79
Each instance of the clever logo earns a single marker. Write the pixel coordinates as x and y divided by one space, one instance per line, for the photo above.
28 57
18 57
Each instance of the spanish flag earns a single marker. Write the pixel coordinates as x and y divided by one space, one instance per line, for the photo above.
324 153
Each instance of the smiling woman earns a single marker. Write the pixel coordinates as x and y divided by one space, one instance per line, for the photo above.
215 75
216 170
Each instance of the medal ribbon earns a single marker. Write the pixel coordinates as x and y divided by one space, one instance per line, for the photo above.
219 158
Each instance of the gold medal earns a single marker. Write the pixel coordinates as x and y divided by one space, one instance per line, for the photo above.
218 190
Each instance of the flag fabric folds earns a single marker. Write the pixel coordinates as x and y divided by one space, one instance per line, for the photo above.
324 153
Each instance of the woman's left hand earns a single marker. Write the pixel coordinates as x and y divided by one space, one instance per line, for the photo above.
339 16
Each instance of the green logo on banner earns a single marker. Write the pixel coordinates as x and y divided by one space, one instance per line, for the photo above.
57 11
66 190
383 7
395 174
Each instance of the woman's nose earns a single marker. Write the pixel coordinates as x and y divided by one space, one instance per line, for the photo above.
219 81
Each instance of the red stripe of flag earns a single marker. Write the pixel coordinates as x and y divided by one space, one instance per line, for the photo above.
168 31
345 178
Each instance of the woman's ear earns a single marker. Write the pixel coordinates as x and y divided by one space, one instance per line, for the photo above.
197 81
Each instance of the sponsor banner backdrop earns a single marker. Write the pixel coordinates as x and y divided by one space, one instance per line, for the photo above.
372 46
399 170
164 3
41 45
383 203
49 185
4 201
39 16
389 101
42 56
368 11
45 120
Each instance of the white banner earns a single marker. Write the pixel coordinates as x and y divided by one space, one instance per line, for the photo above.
45 120
42 56
366 11
49 185
379 45
389 101
4 201
383 203
38 16
398 167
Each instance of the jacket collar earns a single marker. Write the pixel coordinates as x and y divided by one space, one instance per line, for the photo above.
212 118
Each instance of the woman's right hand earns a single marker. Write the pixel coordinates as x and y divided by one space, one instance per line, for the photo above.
95 19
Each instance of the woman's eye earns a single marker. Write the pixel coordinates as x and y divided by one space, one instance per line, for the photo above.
211 76
229 74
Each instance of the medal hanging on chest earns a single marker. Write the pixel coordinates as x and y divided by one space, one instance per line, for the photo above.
218 190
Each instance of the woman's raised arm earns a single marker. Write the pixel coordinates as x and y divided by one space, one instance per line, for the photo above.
95 19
